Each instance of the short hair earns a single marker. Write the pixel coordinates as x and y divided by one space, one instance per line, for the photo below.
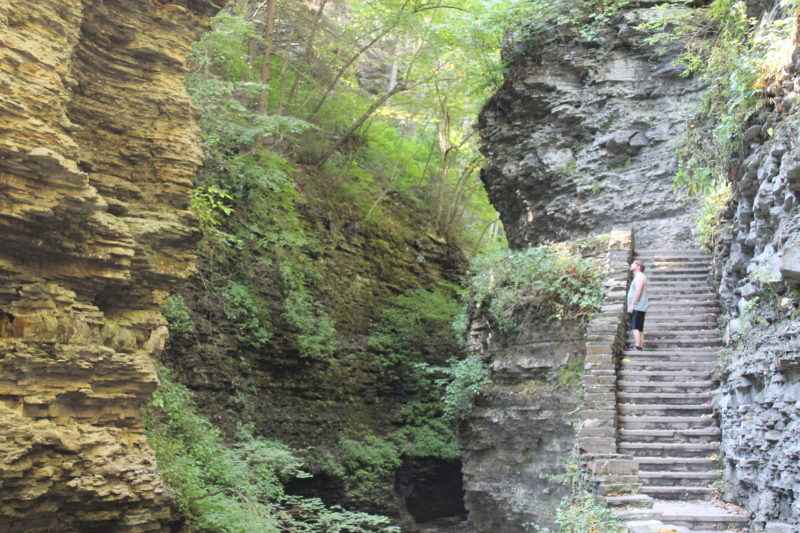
641 265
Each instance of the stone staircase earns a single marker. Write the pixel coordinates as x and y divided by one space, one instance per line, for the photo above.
666 421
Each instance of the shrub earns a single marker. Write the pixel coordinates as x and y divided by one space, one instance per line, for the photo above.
580 511
550 281
464 380
247 312
369 462
179 318
424 433
416 326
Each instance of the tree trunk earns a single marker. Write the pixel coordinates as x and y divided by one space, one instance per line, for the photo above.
266 65
308 48
368 113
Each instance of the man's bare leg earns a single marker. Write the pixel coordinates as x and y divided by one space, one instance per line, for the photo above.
638 338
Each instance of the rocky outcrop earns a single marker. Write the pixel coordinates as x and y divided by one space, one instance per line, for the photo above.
97 153
580 137
757 262
523 427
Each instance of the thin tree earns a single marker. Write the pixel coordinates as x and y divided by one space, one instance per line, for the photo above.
344 68
266 65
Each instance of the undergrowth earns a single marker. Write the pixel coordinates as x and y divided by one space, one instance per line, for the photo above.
235 487
580 511
549 281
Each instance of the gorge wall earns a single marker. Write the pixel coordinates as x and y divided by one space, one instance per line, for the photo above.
758 267
580 137
522 426
97 153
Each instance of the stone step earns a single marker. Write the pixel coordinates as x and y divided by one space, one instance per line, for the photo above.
671 252
635 514
700 517
660 386
665 422
671 255
688 330
662 409
655 364
668 492
698 283
678 334
673 306
688 351
702 478
685 354
657 300
671 398
655 277
686 315
670 300
664 375
693 266
670 435
630 501
687 361
676 325
676 464
669 449
685 312
686 299
666 343
679 323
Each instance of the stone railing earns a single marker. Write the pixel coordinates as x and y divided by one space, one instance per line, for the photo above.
613 475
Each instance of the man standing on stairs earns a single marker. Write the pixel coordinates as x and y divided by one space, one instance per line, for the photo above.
637 303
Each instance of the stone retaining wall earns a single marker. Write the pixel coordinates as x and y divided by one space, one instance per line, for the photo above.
609 471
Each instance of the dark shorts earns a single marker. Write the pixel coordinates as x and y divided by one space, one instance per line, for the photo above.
637 320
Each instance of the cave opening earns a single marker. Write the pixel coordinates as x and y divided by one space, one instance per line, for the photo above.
432 489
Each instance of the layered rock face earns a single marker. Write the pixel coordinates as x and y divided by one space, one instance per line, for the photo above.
580 138
758 261
522 427
98 149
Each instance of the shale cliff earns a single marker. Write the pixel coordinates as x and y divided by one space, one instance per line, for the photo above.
97 153
580 137
758 265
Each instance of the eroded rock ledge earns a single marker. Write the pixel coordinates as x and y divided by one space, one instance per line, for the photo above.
97 152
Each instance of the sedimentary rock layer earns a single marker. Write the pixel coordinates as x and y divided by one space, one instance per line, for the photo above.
580 138
97 152
758 260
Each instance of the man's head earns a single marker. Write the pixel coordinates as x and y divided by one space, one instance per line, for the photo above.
637 266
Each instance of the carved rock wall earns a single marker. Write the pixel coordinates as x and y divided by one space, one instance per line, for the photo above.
97 151
580 137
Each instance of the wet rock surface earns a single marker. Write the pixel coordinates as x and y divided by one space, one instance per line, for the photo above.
98 150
